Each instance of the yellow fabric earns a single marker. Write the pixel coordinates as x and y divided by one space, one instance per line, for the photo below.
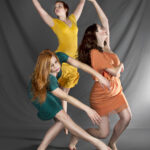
67 36
69 77
68 42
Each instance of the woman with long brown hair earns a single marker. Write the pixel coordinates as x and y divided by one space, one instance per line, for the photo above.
66 29
46 96
95 51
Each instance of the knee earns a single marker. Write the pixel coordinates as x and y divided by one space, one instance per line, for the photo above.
103 134
62 116
127 118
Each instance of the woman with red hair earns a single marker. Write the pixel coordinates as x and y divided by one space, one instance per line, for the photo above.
66 29
46 96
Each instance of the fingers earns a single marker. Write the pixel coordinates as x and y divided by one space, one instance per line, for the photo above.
96 119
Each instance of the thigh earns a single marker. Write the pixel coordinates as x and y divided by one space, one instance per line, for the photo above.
104 125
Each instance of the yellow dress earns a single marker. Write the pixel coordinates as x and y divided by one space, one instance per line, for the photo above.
68 43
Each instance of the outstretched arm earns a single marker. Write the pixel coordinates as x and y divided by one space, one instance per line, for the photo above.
103 19
90 112
79 9
88 69
44 15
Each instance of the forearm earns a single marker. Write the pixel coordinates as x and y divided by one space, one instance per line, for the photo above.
38 6
115 71
99 10
64 104
75 102
44 15
79 9
89 70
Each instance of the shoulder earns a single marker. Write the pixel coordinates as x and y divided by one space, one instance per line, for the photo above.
62 56
52 78
57 23
95 52
72 18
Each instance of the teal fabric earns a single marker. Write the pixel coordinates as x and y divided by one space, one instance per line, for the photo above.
52 104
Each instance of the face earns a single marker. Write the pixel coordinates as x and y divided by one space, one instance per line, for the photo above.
55 65
101 33
59 9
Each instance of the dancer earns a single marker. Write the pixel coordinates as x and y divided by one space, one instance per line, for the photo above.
46 95
95 51
66 30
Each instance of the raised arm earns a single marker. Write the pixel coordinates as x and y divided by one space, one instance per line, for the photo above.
44 15
103 19
90 112
79 9
89 70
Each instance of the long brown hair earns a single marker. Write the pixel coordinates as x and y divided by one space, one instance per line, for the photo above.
88 43
40 75
65 6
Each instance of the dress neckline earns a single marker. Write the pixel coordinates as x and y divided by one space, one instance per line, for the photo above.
66 23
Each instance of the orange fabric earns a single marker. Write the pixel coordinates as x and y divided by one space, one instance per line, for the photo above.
105 101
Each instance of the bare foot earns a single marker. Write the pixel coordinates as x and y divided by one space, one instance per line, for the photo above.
109 148
73 142
72 147
113 146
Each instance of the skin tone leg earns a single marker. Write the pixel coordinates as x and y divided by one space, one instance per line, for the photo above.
54 130
103 130
78 131
125 117
50 135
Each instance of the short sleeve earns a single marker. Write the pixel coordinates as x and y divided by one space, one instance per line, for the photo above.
73 18
62 57
53 84
98 60
55 27
116 60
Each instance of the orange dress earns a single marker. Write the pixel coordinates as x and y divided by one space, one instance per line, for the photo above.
103 100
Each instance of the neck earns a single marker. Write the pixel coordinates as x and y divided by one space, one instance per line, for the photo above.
54 74
101 44
63 18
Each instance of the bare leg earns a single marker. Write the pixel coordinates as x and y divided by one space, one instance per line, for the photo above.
125 117
64 104
53 131
50 135
101 132
78 131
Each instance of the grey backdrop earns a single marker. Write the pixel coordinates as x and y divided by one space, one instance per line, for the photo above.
23 35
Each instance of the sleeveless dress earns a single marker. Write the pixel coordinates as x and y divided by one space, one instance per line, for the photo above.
52 104
103 100
68 43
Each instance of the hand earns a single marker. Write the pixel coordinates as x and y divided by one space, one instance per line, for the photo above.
94 116
66 131
122 67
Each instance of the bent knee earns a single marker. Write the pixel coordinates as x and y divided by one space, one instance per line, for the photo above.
103 134
126 118
62 116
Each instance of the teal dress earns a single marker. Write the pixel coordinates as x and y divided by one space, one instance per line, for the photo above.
52 104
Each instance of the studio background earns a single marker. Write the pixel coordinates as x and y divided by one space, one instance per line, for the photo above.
23 35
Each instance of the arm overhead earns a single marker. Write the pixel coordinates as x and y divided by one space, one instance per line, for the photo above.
79 9
44 15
